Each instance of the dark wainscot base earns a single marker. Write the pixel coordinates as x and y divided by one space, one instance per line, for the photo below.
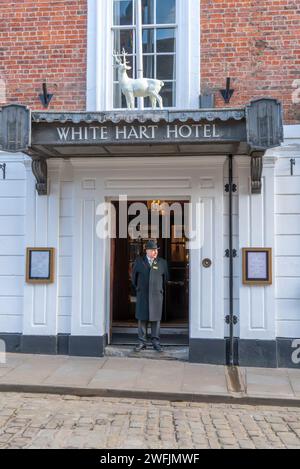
62 344
279 353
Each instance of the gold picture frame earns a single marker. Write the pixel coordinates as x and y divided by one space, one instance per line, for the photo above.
40 265
257 266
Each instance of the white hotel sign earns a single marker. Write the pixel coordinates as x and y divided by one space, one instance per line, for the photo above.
138 132
110 133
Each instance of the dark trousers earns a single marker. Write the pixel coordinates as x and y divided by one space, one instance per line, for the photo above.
142 331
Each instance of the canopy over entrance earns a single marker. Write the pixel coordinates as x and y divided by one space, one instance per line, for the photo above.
248 131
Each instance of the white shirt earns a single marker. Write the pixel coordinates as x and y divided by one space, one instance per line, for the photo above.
150 261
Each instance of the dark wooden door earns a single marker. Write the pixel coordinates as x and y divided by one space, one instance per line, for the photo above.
176 307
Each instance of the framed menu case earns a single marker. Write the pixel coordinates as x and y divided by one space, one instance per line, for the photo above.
257 266
40 265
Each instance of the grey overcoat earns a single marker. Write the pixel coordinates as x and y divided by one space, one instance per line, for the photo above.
150 284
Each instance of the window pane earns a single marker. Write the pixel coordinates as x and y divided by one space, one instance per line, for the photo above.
123 39
123 10
165 67
168 94
165 11
148 41
119 98
165 40
147 103
148 11
148 62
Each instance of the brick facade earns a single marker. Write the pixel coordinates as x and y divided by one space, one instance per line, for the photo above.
257 44
254 42
40 41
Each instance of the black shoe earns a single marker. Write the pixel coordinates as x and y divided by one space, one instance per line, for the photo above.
157 347
140 347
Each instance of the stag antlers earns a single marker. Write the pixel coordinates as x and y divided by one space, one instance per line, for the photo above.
118 61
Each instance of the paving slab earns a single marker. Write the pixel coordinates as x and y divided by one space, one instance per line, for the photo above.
294 377
35 369
75 372
268 382
146 379
12 361
161 375
117 373
204 379
122 364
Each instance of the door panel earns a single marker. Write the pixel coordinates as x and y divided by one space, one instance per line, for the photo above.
207 273
207 289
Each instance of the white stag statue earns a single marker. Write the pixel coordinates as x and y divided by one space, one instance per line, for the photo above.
138 88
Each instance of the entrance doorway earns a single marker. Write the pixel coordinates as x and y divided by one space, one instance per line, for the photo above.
175 316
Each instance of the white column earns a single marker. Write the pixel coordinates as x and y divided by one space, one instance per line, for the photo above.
42 230
99 89
256 229
89 257
139 47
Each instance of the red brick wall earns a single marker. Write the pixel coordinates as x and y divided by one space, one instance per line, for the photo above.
44 41
257 43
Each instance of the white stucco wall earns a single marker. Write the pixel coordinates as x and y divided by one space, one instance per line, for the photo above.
287 259
66 250
17 300
12 229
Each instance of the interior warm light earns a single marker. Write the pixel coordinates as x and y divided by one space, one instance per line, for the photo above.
155 205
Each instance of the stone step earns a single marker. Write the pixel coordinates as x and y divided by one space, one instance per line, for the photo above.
166 339
168 353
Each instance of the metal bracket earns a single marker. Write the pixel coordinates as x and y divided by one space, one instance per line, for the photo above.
227 253
228 92
231 320
256 174
45 97
3 167
227 187
40 170
293 163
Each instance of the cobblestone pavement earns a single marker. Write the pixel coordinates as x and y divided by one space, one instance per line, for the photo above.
49 421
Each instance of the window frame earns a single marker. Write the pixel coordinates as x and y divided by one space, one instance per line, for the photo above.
154 54
100 61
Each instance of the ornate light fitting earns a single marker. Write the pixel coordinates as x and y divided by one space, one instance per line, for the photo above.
157 206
